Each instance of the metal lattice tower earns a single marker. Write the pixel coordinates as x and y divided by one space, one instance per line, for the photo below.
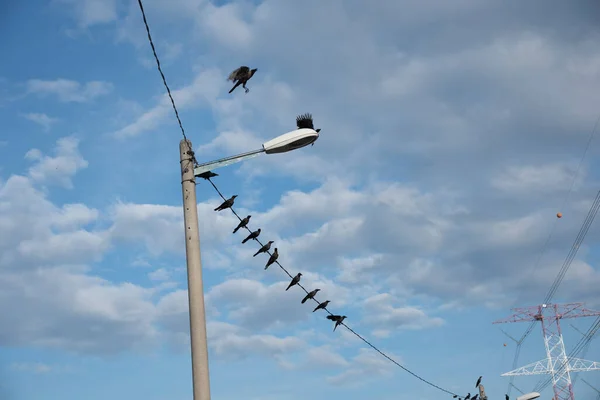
550 315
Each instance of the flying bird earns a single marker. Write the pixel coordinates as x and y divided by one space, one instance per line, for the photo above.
241 76
322 305
305 121
311 295
264 249
273 258
478 382
227 203
243 223
253 235
295 280
207 175
338 320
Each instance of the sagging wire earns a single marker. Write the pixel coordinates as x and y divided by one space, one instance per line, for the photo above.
368 343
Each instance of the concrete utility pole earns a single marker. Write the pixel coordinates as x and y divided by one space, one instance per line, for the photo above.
482 395
200 373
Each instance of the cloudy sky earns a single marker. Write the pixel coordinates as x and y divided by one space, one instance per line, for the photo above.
451 134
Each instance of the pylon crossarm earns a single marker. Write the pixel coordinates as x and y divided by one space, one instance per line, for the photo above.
536 368
579 365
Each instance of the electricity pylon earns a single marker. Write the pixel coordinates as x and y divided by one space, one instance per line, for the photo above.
557 364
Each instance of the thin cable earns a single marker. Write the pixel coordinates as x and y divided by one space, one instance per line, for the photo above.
160 69
583 342
544 247
330 313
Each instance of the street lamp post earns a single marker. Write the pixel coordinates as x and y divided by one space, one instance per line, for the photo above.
199 347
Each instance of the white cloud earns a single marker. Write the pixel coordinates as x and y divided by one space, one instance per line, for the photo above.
41 119
204 89
535 179
69 91
365 366
92 12
59 169
160 274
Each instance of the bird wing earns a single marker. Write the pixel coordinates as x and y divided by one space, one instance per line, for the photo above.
239 73
332 317
304 121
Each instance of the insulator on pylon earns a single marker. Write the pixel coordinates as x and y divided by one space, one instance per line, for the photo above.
559 215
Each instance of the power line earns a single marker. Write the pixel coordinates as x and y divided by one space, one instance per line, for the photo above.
572 253
330 313
162 75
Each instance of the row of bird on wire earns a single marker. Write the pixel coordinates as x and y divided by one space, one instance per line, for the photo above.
338 319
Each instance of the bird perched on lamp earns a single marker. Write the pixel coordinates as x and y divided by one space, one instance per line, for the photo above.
305 121
241 76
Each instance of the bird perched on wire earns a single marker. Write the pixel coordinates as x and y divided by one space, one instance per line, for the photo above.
273 258
468 396
506 397
253 235
264 249
310 295
322 305
478 382
227 203
243 223
241 76
338 320
294 281
475 397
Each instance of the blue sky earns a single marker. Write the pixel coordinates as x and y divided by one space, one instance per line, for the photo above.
451 132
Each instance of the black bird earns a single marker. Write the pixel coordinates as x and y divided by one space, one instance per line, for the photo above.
455 396
468 396
253 235
474 397
322 305
227 203
273 258
338 320
241 76
243 223
478 382
306 121
506 396
207 175
295 280
310 295
264 249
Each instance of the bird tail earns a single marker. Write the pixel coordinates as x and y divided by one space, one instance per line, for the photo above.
331 317
316 308
335 327
304 299
236 229
245 240
218 208
289 286
257 253
232 89
267 266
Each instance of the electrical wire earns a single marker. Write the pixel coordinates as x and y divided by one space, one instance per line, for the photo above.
330 313
583 342
554 286
248 229
164 80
